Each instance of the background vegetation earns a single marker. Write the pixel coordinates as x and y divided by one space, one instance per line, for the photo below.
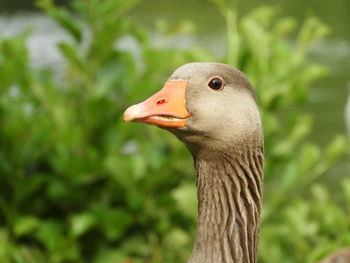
79 185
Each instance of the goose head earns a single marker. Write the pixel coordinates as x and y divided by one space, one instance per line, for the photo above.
211 107
208 106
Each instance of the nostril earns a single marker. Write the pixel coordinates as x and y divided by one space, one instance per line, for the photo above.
160 101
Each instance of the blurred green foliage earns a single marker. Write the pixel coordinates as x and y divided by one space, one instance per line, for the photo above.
78 185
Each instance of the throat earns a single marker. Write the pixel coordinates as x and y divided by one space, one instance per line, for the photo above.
229 205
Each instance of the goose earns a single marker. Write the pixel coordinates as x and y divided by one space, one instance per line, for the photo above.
194 103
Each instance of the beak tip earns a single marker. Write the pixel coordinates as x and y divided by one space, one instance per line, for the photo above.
131 113
126 118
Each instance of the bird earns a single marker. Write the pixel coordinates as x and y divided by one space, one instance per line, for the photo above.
212 108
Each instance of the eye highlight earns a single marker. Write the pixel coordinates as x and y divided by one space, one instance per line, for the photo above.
216 83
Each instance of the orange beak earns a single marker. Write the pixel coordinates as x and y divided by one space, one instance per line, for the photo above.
166 108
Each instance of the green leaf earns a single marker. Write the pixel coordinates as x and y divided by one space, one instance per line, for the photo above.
26 224
81 223
63 17
337 148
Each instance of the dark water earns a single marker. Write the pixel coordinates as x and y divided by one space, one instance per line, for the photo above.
13 6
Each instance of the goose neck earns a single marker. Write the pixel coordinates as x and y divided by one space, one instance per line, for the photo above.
229 191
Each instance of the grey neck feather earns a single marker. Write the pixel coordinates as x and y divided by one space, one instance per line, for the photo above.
229 196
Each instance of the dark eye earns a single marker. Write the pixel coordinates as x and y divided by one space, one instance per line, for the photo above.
215 83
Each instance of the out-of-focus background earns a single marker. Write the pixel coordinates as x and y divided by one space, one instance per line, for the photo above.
79 185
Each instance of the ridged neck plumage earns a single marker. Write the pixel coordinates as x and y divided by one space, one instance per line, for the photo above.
229 190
